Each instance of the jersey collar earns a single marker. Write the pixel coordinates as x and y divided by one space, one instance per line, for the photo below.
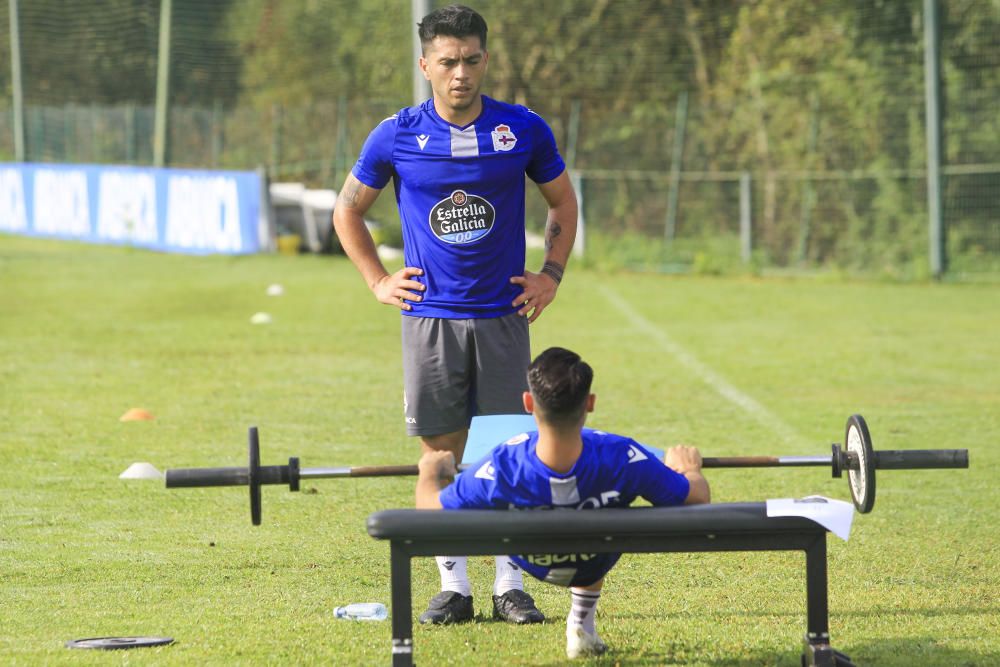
544 469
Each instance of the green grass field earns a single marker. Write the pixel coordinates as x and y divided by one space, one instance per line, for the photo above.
734 365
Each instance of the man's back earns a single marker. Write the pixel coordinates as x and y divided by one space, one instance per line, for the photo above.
612 471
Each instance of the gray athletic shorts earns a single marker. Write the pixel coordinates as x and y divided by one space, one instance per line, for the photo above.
454 370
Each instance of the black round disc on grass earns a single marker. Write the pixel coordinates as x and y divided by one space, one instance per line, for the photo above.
110 643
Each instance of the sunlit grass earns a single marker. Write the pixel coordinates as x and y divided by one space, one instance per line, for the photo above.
88 332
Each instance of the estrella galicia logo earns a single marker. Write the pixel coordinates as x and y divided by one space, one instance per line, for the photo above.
462 218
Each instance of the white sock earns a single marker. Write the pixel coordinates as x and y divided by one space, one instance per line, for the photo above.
453 574
508 576
583 612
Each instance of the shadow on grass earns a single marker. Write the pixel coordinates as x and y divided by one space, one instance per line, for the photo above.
888 652
925 651
930 612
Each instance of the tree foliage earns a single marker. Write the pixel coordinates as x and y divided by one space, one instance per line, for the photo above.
821 101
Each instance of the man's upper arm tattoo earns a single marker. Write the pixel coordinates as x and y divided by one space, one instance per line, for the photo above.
352 192
554 230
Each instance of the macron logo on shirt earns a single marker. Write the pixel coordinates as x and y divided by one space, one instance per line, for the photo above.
486 472
422 140
635 454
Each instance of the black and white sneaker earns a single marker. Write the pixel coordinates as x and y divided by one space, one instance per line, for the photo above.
448 607
516 606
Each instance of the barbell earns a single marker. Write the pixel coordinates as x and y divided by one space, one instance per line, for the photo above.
857 457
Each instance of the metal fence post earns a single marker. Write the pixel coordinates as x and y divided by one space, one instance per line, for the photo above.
267 229
808 191
15 79
932 95
341 158
575 177
746 240
217 122
572 134
129 112
277 129
580 244
162 86
421 86
680 120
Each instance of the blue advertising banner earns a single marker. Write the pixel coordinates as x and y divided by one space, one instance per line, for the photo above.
174 210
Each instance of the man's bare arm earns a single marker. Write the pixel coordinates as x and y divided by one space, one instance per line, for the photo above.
353 202
560 227
539 289
687 461
436 469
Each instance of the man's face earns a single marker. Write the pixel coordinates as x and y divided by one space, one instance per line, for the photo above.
455 67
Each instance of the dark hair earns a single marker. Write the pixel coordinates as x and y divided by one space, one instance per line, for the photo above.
452 21
560 383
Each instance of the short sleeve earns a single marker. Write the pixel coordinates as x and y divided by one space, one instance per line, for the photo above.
657 483
473 489
374 165
546 163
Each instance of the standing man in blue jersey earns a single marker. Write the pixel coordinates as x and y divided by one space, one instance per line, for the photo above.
458 164
563 464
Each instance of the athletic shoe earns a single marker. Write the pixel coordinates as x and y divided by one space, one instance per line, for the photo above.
581 644
448 607
516 606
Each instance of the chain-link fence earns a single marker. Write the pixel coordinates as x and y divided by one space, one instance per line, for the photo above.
783 133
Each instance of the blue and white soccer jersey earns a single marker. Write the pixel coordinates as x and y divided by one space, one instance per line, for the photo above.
612 471
460 192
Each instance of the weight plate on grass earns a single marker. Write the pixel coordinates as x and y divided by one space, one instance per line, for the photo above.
108 643
254 476
857 441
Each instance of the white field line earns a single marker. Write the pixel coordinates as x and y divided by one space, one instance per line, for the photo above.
704 373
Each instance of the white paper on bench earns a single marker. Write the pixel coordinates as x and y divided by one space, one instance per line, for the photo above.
834 515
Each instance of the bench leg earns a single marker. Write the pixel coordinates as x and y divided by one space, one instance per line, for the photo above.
817 609
817 651
402 607
823 655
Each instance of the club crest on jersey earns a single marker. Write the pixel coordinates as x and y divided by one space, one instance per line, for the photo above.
462 218
503 138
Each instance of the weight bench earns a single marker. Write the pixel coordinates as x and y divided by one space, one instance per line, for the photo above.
720 527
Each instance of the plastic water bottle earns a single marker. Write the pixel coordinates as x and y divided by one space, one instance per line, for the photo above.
362 611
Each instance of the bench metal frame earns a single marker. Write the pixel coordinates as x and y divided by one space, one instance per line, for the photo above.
697 528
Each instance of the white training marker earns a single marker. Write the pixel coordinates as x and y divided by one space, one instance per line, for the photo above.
260 318
275 290
141 471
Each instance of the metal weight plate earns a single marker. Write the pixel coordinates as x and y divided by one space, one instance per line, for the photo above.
109 643
254 476
858 441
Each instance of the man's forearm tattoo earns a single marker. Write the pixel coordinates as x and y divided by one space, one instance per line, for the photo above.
553 270
554 230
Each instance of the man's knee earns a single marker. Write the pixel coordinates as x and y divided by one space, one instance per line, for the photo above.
594 587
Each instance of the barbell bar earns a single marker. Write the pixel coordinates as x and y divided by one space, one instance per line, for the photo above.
857 457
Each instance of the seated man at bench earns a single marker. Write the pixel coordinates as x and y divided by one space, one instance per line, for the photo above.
564 465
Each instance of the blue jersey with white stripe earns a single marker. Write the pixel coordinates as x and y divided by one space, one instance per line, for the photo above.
460 192
612 471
